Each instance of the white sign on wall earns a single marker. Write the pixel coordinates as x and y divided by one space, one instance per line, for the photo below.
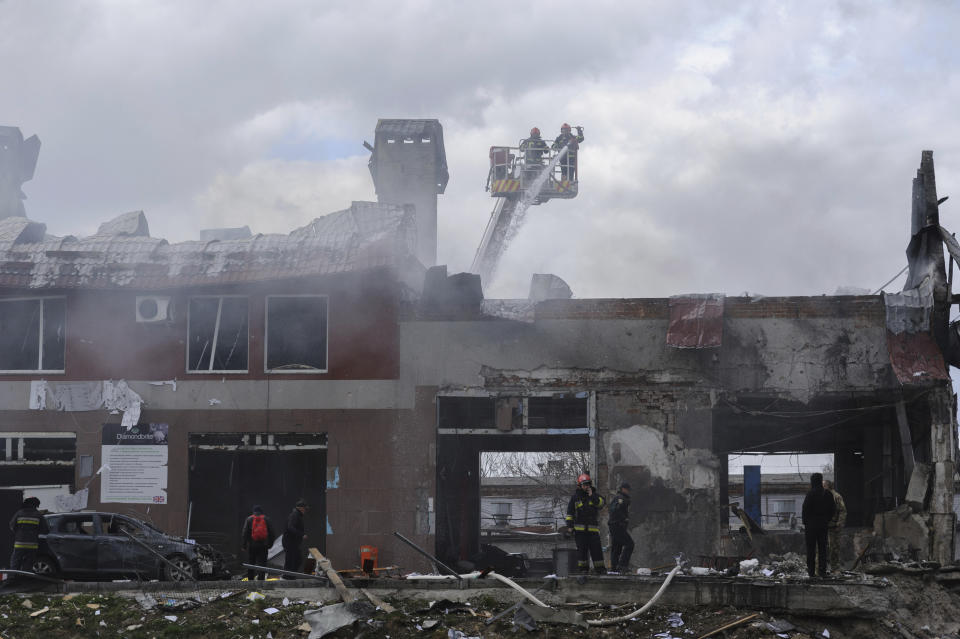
134 464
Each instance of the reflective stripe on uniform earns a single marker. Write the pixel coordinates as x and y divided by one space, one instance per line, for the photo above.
29 520
25 546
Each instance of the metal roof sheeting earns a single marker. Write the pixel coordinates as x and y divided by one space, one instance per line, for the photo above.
367 235
696 321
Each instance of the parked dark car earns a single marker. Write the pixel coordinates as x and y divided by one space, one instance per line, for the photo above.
94 545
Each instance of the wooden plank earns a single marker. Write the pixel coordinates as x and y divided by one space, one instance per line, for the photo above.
332 575
729 625
377 601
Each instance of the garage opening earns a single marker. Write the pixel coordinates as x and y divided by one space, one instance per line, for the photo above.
231 472
35 464
870 442
503 467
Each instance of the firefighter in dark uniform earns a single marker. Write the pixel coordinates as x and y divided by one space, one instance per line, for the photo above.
533 149
583 520
621 544
27 525
568 165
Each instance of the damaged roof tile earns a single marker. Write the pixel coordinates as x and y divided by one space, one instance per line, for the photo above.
366 235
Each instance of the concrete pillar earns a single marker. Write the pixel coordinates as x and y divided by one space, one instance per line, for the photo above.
942 447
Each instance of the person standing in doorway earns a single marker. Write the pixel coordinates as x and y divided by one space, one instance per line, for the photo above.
818 507
583 515
257 536
27 525
293 536
837 522
621 543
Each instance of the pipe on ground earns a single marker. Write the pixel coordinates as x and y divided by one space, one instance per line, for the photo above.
638 611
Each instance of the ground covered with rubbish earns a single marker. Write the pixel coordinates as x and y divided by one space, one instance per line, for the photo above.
928 612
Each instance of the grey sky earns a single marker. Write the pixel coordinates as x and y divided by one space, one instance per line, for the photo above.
753 146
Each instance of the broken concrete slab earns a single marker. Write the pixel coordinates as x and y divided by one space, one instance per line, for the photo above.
912 529
919 486
553 616
331 618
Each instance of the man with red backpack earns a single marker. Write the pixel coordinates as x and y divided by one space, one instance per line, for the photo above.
257 536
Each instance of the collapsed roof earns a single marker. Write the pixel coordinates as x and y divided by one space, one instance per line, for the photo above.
123 255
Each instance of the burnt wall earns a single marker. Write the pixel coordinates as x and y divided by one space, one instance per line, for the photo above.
660 442
103 340
380 471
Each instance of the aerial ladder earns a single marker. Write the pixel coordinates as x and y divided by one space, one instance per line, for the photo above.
521 177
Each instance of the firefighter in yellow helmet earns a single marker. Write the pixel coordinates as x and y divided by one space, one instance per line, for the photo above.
583 520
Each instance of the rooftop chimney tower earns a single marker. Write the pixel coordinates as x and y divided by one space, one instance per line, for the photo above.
409 166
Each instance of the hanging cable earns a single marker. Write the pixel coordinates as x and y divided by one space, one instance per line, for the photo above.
891 279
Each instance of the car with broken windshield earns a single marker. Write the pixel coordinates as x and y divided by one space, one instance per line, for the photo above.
102 545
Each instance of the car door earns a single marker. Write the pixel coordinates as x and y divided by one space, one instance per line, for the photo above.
72 541
112 546
126 556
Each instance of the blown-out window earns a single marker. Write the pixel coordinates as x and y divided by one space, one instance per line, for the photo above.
296 333
218 335
32 334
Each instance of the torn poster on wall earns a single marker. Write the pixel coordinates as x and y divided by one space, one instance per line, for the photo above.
134 464
116 397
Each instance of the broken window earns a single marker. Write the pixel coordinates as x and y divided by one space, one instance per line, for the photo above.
73 525
296 333
218 334
38 447
557 412
32 335
465 412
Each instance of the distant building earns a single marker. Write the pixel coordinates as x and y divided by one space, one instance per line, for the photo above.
781 499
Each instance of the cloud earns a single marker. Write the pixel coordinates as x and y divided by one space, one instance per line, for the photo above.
766 147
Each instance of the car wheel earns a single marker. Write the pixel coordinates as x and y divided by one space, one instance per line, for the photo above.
44 565
185 566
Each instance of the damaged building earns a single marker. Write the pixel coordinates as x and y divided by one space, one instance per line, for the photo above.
338 363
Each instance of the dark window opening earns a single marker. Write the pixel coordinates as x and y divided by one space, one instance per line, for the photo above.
38 449
297 333
557 412
466 412
49 448
218 335
32 334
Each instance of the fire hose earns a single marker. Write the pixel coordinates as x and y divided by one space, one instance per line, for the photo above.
646 606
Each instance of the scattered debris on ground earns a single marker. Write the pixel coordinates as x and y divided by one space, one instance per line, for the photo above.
924 610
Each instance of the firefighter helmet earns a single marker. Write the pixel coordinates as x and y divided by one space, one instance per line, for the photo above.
535 132
565 127
583 479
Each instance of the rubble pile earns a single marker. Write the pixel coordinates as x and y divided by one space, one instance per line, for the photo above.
923 611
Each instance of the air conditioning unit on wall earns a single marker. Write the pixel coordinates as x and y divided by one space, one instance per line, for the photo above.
153 308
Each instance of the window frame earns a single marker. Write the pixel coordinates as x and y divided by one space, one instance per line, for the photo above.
266 338
215 371
43 371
